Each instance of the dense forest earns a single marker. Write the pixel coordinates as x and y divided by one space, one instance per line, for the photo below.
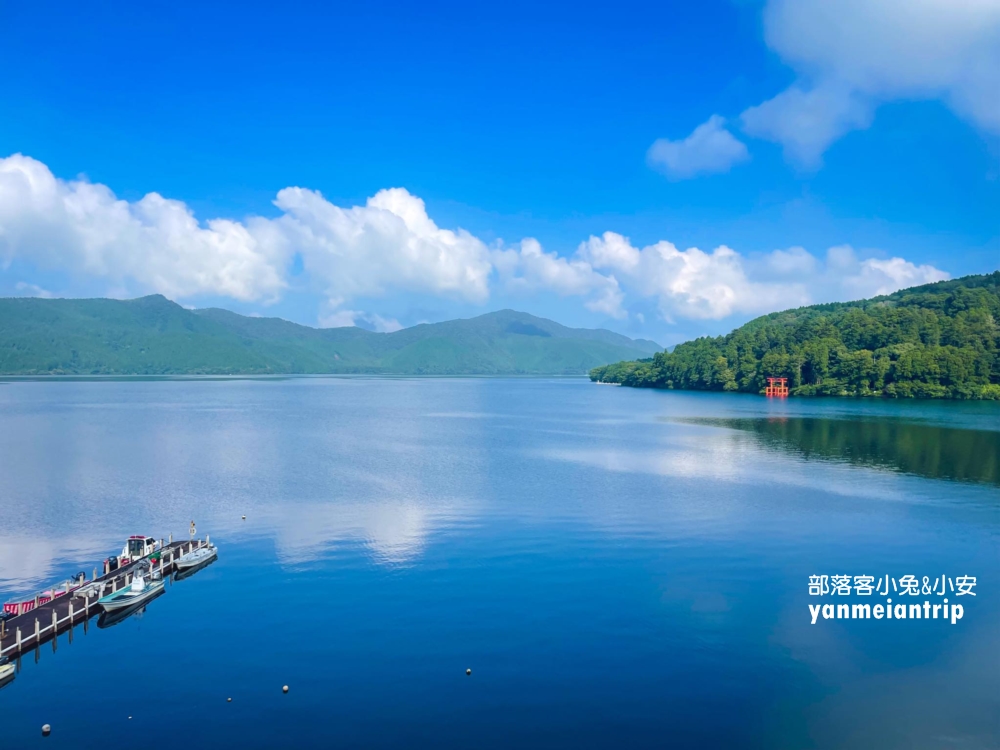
934 341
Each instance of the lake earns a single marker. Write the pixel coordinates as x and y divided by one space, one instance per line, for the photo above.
617 567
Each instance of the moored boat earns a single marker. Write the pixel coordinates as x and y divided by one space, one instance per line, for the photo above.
109 619
196 557
94 588
136 547
6 671
139 591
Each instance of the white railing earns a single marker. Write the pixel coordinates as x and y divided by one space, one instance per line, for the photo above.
21 642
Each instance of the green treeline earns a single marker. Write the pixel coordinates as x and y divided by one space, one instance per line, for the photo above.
934 341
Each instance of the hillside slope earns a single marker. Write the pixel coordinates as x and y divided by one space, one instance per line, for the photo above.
153 336
934 341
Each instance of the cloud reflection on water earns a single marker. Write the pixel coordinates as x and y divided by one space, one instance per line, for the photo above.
725 457
30 563
394 532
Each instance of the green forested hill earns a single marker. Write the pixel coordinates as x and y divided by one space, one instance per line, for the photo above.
153 336
935 341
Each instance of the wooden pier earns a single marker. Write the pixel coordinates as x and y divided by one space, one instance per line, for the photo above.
25 632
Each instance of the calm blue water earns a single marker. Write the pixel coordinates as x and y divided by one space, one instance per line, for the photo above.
615 566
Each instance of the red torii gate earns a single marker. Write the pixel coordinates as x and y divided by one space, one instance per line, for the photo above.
776 387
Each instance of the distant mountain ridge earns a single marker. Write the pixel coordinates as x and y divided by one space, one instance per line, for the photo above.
154 336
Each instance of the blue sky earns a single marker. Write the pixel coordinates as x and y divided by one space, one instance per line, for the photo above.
567 157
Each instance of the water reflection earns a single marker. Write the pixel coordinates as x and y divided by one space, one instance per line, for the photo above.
656 569
926 450
110 619
30 561
180 575
394 531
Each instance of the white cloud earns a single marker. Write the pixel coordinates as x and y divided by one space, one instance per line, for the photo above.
339 318
848 277
32 290
80 226
852 55
710 286
793 261
710 148
390 245
528 268
689 283
384 325
156 244
369 321
806 122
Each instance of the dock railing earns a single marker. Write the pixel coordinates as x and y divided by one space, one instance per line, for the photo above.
15 638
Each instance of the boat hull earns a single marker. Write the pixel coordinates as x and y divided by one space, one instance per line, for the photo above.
108 619
127 598
196 558
186 573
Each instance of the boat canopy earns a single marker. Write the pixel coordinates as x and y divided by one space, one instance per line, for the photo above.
137 545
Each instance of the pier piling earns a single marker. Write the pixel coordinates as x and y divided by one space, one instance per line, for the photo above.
17 635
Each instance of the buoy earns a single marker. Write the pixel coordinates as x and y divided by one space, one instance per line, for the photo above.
129 717
284 688
244 517
45 730
229 700
468 671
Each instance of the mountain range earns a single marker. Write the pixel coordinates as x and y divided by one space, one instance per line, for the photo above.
155 336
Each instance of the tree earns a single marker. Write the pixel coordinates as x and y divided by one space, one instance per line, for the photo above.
934 341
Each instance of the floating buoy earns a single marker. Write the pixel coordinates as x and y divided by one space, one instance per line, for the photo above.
229 700
284 688
468 671
45 730
244 517
130 717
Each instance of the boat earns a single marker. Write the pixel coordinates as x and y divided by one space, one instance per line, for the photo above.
109 619
94 588
139 591
136 547
6 671
196 557
186 573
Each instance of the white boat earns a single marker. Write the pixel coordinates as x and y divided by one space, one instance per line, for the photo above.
196 557
139 591
136 547
109 619
94 588
6 671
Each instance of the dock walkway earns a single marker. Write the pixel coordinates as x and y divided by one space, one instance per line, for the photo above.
26 631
